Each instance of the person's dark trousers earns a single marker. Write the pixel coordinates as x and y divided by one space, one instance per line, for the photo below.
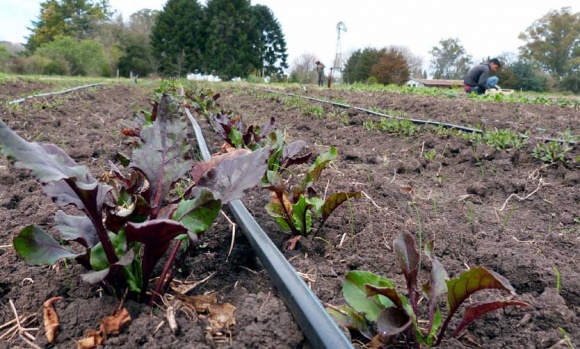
476 89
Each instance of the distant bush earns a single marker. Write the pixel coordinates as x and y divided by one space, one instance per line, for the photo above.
58 66
4 58
35 65
528 77
571 83
83 57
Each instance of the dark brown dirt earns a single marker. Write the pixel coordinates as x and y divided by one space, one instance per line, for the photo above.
87 124
463 198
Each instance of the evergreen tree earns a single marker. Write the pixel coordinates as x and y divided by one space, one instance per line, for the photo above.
359 65
270 44
75 18
391 68
177 38
231 38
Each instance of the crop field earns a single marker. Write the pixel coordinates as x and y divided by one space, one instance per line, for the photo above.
417 184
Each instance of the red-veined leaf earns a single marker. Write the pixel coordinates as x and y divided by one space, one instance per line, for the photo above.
476 310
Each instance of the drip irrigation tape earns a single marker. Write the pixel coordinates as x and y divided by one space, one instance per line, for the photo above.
316 324
318 327
421 121
20 100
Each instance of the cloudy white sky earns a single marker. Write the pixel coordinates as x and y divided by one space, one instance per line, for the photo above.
484 28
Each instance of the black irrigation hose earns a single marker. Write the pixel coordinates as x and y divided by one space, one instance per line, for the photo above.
420 121
20 100
316 324
318 327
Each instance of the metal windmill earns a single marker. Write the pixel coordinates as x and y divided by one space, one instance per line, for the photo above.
340 27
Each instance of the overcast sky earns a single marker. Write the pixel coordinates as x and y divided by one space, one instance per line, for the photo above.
484 28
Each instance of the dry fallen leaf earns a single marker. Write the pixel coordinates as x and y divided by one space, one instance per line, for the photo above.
291 243
109 325
407 189
112 324
92 340
202 302
222 317
50 319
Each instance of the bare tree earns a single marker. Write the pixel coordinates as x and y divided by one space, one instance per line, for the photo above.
414 62
304 68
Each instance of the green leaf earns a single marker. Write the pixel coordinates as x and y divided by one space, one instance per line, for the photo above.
275 210
198 215
302 216
320 163
434 328
98 276
273 178
348 317
335 200
98 259
471 281
390 292
315 170
317 204
236 138
353 290
37 247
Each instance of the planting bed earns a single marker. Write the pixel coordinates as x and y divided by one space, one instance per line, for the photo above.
459 195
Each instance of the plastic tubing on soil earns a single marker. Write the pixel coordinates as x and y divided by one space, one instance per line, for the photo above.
318 327
419 121
20 100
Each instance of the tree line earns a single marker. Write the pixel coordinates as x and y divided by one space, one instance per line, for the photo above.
232 38
548 60
227 38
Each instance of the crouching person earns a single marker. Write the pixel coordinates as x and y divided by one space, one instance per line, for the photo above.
477 78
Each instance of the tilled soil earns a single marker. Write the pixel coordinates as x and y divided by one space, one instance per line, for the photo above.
87 124
503 210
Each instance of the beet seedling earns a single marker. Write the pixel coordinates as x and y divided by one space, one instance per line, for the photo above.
129 222
294 205
374 302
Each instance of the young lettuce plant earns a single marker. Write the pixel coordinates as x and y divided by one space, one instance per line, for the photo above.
129 222
293 206
374 302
